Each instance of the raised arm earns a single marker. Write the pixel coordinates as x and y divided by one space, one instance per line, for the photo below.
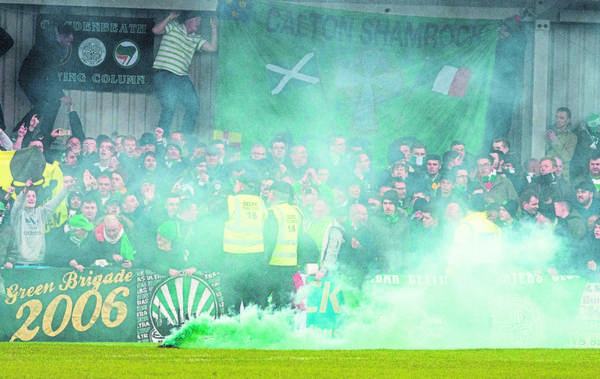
213 44
54 202
160 28
20 136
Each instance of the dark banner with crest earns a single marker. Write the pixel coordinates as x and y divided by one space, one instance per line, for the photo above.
108 54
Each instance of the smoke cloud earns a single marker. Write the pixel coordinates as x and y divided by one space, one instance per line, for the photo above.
511 302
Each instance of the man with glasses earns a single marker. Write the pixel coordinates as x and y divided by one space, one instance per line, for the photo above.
495 188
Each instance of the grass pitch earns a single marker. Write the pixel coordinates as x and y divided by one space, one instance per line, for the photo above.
85 360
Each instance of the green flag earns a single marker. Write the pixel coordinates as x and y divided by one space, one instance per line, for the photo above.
313 71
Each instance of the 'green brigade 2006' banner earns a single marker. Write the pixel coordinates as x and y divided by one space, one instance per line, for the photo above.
313 70
111 54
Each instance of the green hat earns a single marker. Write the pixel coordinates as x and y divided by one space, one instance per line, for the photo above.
168 230
80 222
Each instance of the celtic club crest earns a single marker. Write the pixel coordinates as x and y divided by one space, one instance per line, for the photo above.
92 52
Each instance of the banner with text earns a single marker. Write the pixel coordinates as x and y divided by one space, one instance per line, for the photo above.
309 70
102 304
125 305
110 54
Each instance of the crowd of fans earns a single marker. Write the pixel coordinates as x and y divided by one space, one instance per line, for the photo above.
169 204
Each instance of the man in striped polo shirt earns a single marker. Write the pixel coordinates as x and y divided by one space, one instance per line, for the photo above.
171 80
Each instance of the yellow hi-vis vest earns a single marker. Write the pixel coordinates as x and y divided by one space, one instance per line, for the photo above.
243 232
289 219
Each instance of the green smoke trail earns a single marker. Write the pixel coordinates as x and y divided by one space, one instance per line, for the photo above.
509 304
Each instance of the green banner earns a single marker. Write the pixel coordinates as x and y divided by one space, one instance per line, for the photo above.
68 305
311 71
102 304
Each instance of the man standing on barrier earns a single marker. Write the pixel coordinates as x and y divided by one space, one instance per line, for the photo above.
38 77
171 81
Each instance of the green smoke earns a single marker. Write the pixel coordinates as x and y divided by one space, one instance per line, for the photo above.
506 303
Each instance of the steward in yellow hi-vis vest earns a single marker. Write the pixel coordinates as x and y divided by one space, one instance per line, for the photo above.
244 262
283 230
289 220
244 231
475 267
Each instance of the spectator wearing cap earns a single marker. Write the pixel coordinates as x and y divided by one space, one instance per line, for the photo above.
391 233
419 198
72 248
147 142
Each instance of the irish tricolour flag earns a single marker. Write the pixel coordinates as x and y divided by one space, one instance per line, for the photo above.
452 81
